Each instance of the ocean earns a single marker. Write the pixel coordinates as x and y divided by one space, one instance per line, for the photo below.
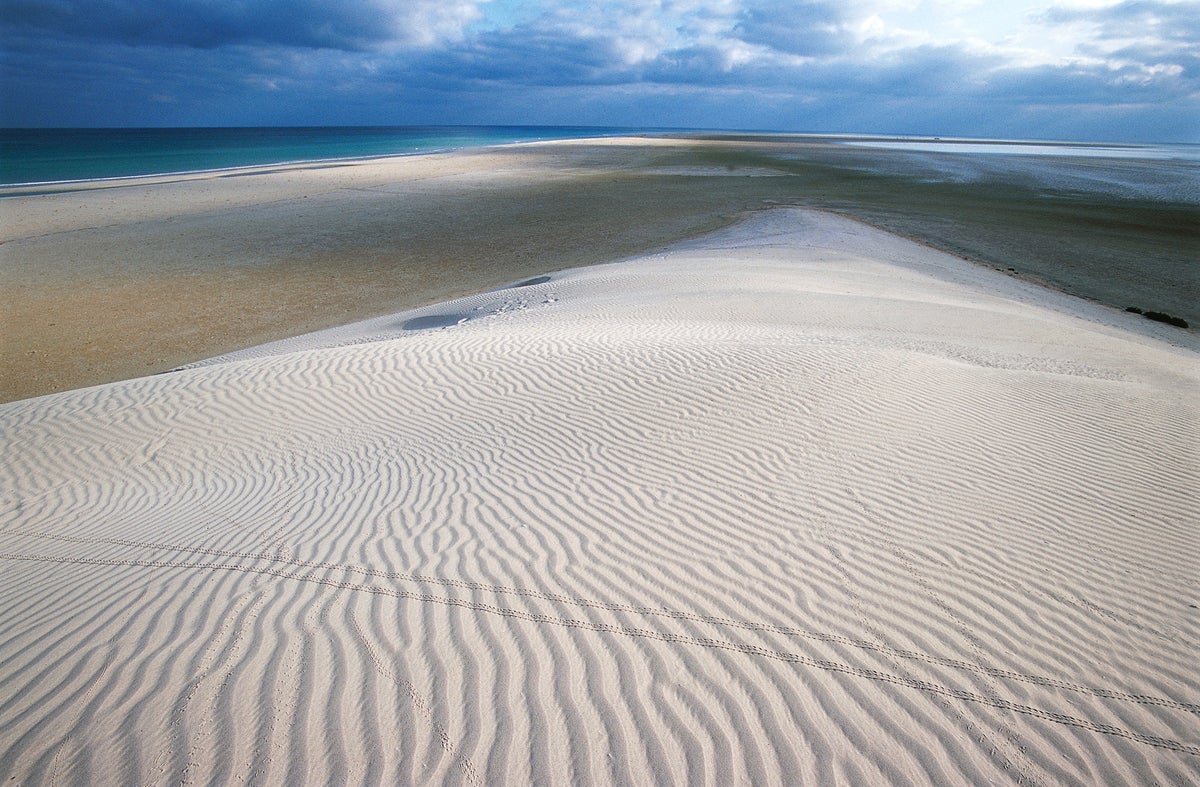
63 155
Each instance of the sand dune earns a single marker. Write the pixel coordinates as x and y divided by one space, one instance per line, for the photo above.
800 502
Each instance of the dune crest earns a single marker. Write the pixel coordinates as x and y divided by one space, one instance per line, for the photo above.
798 502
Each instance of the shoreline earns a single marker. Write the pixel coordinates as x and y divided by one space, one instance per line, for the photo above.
118 282
40 188
70 157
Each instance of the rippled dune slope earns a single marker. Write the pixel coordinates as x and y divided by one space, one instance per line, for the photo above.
800 502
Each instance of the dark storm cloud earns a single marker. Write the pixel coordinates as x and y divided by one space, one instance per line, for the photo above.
344 24
527 55
806 28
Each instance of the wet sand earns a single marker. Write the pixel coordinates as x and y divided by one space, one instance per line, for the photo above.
114 280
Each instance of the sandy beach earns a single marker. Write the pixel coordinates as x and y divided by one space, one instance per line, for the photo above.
119 279
798 501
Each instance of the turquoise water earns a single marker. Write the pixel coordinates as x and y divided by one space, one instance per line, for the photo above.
56 155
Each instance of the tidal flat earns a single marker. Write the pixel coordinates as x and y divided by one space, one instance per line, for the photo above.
118 279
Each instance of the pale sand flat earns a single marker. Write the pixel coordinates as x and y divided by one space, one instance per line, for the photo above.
801 502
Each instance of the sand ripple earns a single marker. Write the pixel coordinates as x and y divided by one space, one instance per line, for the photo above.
808 504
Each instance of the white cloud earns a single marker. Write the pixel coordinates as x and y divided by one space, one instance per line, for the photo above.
425 23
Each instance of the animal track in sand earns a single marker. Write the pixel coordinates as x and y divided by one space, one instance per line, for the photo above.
748 649
981 669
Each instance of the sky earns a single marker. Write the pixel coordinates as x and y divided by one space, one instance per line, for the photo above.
1124 71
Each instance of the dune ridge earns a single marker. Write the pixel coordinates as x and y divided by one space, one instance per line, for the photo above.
798 502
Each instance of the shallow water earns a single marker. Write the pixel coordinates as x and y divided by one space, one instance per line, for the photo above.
1018 148
1169 173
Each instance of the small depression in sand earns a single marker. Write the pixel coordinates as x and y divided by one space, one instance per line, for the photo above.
530 282
428 321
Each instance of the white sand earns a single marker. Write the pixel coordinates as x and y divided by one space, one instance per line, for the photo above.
799 503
